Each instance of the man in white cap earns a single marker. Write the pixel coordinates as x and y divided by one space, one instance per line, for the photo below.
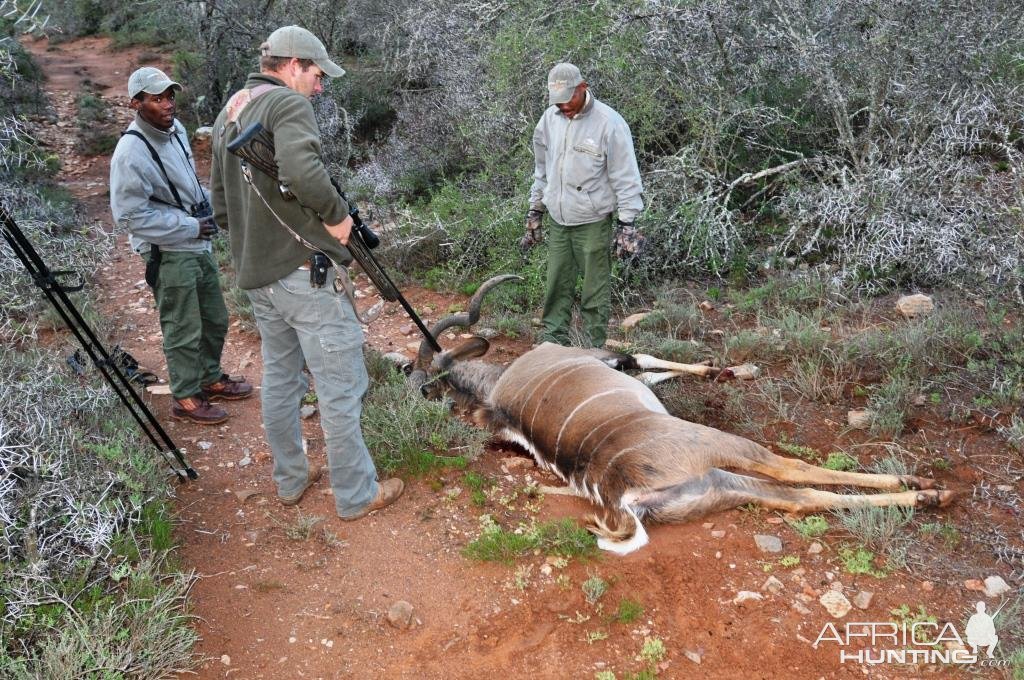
299 323
584 170
156 195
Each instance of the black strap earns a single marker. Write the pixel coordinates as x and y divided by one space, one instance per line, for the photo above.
160 164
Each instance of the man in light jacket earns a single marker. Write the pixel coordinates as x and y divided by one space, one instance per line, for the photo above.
156 195
585 169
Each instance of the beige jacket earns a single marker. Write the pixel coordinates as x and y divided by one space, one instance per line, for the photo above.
585 168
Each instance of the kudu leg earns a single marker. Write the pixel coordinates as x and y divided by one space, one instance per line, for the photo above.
718 490
798 472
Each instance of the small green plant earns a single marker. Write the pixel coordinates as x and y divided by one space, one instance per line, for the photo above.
811 526
860 561
478 486
628 611
945 531
562 537
941 465
788 561
521 579
595 635
653 652
606 675
841 462
803 452
301 529
310 398
594 589
906 618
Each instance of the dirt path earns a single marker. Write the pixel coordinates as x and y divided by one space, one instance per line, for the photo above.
270 603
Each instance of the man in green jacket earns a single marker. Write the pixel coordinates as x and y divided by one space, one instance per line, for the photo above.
298 323
585 170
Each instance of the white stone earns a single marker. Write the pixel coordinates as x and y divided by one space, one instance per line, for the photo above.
747 596
767 543
912 306
859 419
996 586
745 372
631 321
835 603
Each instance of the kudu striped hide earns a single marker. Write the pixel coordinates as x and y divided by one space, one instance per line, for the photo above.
609 438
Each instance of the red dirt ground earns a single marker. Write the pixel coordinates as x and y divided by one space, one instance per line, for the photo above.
268 606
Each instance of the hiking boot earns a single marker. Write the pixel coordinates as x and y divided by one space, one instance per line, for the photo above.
388 492
198 410
311 478
228 387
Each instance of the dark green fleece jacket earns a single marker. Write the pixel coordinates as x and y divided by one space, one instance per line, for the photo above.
262 250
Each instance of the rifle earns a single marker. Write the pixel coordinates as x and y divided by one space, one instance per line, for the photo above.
255 147
56 293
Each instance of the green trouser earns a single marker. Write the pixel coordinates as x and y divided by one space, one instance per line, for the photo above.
193 319
583 247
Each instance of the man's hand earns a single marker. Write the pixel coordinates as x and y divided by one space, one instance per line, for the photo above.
342 230
533 235
207 228
627 241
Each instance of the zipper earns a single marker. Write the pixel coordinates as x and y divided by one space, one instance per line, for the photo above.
561 169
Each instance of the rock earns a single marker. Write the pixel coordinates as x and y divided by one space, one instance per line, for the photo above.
513 463
487 333
800 608
718 533
414 346
773 585
766 543
836 586
406 329
707 306
307 411
204 132
774 520
631 321
747 596
996 586
708 525
927 586
400 614
815 548
745 372
862 600
913 306
616 345
246 494
919 400
835 603
397 358
695 656
859 419
975 585
225 659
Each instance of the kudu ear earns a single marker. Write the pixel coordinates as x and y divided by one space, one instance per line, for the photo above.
470 349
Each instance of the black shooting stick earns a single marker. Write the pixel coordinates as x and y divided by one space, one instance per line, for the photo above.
255 146
56 293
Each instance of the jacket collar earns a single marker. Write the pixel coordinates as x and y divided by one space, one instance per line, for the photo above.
254 79
154 133
588 106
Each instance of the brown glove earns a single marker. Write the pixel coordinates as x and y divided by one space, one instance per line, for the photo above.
533 235
627 241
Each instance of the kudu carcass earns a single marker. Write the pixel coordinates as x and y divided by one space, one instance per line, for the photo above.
609 438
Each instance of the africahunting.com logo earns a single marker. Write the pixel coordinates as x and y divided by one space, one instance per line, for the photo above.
915 642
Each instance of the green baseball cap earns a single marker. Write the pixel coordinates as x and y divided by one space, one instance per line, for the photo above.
295 41
150 80
562 82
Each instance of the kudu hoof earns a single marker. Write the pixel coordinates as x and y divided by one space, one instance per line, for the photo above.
918 483
935 499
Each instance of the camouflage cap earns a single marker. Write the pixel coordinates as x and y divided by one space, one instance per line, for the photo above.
295 41
150 80
562 82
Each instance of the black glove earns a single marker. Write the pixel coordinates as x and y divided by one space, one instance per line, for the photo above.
533 235
627 241
207 228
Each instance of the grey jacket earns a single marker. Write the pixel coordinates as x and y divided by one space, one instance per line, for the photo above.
585 167
140 199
